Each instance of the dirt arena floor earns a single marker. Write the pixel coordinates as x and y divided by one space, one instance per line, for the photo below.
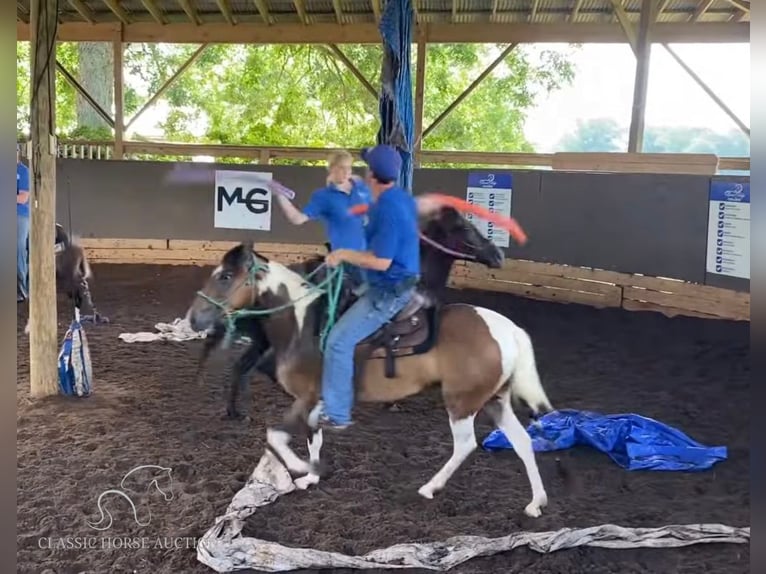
147 409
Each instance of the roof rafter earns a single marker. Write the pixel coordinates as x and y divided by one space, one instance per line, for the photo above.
154 10
190 10
263 10
83 10
118 11
225 8
702 7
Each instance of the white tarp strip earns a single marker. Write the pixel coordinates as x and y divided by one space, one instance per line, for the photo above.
179 330
224 549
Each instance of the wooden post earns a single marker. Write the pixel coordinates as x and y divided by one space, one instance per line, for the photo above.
641 85
420 81
43 337
119 103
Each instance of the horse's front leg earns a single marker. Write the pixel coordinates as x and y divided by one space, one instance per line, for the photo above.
239 378
279 437
315 446
210 342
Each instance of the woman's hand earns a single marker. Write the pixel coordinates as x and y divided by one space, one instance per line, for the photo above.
335 258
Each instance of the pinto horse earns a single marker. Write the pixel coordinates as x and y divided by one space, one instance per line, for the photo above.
72 274
446 236
479 357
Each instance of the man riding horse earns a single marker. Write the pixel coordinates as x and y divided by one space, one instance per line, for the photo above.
392 265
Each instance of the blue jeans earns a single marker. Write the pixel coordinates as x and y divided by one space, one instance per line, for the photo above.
370 312
22 256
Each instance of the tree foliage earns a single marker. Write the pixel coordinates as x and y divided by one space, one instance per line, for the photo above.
606 135
290 95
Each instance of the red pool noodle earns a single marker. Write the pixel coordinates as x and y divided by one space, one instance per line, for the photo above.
507 223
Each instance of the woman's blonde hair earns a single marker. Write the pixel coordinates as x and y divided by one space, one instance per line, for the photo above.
338 157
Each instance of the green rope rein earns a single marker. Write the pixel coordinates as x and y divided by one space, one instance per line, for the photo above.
331 286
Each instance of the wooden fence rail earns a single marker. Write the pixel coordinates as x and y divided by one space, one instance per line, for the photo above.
543 281
706 164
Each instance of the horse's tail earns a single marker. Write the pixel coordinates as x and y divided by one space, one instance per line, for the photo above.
525 380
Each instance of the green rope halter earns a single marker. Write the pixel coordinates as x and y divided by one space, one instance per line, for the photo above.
331 286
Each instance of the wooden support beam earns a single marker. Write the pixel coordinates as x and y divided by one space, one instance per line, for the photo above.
354 70
469 89
155 11
118 11
713 96
190 10
338 11
376 9
225 8
625 24
702 7
367 33
263 10
300 8
640 87
494 8
43 336
119 98
454 11
168 83
72 81
83 10
420 81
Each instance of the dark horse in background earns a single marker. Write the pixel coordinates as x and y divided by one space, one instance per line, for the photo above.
72 274
446 237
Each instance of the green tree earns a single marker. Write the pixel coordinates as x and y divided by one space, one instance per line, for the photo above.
289 95
595 135
606 135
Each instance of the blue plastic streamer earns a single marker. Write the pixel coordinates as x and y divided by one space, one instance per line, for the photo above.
632 441
75 372
397 117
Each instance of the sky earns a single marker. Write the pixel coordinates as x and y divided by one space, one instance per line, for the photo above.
603 88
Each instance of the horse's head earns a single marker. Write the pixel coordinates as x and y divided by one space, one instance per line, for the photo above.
246 280
459 239
232 286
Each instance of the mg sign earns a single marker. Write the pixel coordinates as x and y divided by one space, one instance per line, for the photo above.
242 200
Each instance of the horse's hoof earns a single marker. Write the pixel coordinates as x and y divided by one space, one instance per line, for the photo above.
304 482
426 491
321 469
533 509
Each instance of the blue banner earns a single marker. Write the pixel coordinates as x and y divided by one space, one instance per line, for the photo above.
490 180
733 191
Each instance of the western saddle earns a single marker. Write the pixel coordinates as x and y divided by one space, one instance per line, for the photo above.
412 331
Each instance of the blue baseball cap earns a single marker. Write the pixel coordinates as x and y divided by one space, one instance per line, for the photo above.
384 161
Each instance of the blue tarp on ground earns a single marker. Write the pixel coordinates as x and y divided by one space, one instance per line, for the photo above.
632 441
396 111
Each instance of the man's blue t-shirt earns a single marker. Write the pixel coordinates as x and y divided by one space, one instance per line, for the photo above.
331 205
22 184
393 233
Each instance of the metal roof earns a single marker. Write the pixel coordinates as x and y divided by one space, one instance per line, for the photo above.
365 11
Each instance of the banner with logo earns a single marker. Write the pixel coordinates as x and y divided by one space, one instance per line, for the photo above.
242 200
728 236
492 191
